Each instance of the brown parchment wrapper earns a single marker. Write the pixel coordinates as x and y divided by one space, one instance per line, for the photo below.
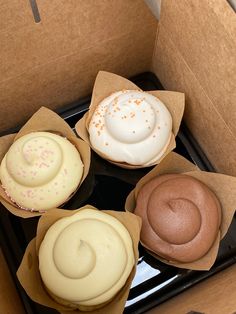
107 83
222 185
43 120
28 272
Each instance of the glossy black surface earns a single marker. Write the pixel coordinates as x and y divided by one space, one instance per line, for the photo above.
154 282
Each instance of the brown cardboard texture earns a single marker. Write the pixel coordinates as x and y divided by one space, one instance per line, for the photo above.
222 185
28 272
43 120
195 54
107 83
54 62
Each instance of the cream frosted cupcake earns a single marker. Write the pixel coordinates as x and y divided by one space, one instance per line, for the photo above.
41 170
131 126
85 259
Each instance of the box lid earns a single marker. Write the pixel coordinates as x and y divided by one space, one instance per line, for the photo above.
195 54
55 61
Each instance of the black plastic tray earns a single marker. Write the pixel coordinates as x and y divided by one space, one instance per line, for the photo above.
154 282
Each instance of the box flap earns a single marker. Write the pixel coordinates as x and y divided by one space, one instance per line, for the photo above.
195 54
55 61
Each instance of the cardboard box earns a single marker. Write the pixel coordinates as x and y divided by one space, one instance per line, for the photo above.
55 61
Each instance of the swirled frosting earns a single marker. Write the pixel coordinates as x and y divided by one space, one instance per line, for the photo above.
41 170
131 126
86 258
181 217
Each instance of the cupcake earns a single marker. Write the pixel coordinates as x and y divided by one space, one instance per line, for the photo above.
185 212
85 259
132 127
42 166
129 127
82 260
181 217
41 170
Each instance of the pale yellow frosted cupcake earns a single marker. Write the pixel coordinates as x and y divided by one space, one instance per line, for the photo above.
85 259
41 170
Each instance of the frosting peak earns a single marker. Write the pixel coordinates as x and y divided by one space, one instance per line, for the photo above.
86 258
181 217
41 170
131 126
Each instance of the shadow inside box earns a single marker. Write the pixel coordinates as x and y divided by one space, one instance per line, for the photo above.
106 187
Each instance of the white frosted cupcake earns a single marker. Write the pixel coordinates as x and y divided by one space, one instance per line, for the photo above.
132 127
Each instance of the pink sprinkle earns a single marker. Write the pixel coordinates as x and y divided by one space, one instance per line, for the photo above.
29 193
43 164
65 171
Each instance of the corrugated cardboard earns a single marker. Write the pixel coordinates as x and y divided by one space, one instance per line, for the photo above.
54 62
195 53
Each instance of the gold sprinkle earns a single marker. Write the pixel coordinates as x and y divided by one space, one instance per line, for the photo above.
138 102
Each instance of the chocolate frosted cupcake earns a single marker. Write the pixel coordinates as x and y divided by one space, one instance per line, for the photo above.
181 217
